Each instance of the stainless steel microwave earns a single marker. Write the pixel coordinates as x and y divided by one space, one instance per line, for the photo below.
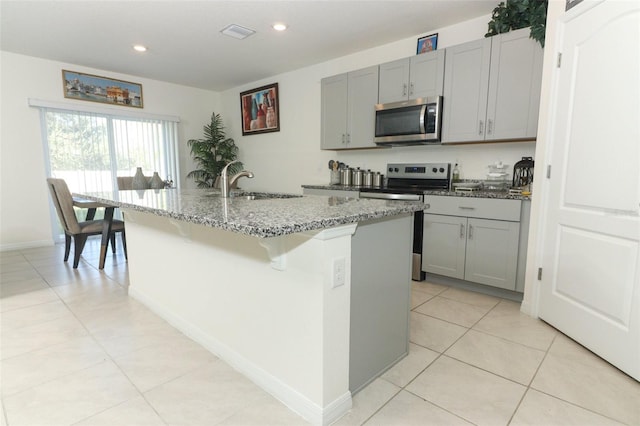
412 122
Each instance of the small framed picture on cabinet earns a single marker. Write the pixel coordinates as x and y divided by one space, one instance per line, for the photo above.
427 44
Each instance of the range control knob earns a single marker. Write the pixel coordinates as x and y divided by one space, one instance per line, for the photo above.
396 170
441 169
434 170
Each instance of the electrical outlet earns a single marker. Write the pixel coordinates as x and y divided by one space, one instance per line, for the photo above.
339 273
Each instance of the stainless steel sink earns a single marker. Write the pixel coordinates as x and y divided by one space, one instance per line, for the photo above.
261 195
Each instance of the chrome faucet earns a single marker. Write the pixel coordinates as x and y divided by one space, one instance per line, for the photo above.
226 182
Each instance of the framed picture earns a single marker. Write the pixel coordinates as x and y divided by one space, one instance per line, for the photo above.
88 87
260 110
427 43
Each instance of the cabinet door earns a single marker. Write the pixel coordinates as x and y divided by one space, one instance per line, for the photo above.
363 96
334 112
466 81
394 81
514 86
443 245
426 76
492 252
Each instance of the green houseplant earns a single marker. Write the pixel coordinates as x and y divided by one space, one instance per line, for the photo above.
212 153
516 14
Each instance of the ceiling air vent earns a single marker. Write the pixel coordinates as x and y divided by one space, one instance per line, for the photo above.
237 31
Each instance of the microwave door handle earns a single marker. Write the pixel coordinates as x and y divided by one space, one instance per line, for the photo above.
423 121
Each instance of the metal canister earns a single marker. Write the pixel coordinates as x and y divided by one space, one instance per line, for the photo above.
367 178
345 177
378 179
357 176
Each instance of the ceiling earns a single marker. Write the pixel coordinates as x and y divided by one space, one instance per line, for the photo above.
185 45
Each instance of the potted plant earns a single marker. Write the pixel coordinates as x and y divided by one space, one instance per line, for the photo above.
212 153
516 14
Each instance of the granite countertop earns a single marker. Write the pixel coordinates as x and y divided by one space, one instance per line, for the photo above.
504 195
282 215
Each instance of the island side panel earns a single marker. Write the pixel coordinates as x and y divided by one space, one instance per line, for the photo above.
286 330
380 297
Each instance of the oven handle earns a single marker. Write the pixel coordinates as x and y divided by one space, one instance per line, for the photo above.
386 196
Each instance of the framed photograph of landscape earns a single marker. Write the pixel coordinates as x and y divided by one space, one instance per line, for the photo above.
89 87
427 43
260 110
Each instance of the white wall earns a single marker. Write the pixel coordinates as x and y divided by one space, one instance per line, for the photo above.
282 161
24 199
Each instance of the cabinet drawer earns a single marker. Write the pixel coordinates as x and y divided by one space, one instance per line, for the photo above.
486 208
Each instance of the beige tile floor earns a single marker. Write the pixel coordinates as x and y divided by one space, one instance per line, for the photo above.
76 350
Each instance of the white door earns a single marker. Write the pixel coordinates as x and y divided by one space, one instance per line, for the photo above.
590 286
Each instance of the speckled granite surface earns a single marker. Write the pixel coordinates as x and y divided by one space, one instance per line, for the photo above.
504 195
260 217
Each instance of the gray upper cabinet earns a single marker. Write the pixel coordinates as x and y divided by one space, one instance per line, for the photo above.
492 89
348 102
419 76
514 86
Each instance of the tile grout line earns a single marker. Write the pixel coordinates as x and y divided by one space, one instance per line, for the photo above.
440 354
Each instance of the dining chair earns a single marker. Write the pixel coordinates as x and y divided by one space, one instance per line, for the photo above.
79 231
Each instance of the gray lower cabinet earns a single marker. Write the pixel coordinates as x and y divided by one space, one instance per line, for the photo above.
347 110
471 239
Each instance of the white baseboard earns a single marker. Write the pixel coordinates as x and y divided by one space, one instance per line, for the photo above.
26 245
297 402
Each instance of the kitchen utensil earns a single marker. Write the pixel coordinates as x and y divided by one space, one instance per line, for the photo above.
331 164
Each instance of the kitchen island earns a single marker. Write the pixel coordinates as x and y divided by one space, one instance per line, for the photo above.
308 296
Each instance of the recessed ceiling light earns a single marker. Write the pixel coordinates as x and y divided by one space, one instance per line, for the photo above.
139 48
237 31
279 27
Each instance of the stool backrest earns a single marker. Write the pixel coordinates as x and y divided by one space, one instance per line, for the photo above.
63 202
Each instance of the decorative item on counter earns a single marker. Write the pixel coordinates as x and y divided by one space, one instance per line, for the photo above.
156 181
345 176
139 180
498 177
523 172
356 177
367 178
378 180
168 183
455 176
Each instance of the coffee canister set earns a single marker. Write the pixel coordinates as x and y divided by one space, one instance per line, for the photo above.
341 174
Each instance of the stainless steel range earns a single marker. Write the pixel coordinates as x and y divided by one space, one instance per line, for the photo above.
409 181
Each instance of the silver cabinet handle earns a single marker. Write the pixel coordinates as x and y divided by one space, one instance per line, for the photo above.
466 208
404 89
470 232
348 138
344 138
461 230
411 89
481 128
490 126
427 206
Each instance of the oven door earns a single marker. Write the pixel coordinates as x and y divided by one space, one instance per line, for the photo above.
412 122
